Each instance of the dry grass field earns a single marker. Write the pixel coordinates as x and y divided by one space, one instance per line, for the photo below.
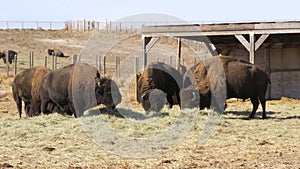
56 141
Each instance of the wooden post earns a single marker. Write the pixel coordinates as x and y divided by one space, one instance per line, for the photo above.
15 63
178 53
136 70
116 30
53 62
74 59
104 66
7 64
135 65
99 63
252 47
45 61
144 52
118 66
79 58
31 55
170 60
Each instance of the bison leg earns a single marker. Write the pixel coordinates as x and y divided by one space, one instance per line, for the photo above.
44 106
170 100
255 102
178 98
263 105
19 105
27 109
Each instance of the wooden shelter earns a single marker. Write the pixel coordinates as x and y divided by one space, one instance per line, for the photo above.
273 46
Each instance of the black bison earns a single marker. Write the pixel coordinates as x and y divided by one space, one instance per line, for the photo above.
239 79
56 52
77 87
156 83
11 56
25 87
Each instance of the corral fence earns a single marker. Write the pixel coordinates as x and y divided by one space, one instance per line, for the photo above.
112 67
80 25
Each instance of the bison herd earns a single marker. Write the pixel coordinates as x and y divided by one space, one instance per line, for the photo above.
46 91
11 56
77 87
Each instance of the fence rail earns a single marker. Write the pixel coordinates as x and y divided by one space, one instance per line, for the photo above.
79 25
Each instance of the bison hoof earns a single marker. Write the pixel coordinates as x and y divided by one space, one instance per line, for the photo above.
264 117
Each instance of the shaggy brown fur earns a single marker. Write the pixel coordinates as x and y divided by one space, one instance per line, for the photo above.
25 88
222 77
160 76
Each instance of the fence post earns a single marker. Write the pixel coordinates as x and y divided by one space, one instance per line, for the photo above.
79 58
135 65
98 63
74 59
7 64
31 54
104 66
15 61
45 61
118 66
136 70
53 61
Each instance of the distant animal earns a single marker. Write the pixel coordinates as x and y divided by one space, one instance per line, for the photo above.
239 78
11 56
25 87
76 88
56 52
157 84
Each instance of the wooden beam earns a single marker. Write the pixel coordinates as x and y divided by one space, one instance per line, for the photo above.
183 34
252 47
243 41
151 43
178 53
144 49
212 49
260 41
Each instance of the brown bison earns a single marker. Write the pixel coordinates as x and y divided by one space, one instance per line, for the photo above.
76 88
56 52
157 82
25 88
11 56
228 76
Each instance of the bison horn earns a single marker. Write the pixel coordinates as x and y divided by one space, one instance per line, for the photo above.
194 96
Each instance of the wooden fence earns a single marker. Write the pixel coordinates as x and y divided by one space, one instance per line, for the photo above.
51 61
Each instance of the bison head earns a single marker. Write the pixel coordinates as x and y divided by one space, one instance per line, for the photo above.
191 97
153 99
107 92
50 52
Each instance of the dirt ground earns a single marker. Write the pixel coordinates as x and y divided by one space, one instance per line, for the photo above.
56 141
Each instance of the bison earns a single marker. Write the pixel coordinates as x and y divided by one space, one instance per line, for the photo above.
156 84
77 87
11 56
25 87
239 79
56 52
